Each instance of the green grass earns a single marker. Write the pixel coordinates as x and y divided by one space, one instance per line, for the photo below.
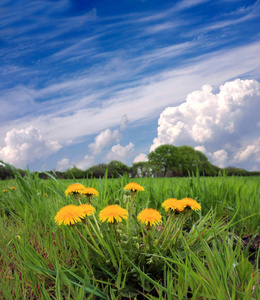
201 257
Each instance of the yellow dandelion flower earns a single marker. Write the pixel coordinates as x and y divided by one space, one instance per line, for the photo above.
150 216
193 204
134 187
89 192
4 191
44 194
12 188
87 209
74 188
174 204
69 214
113 213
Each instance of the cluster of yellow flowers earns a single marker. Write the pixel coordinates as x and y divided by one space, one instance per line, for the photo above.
179 205
78 188
12 188
71 214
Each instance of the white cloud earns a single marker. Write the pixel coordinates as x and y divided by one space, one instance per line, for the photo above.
103 82
86 163
74 115
141 157
120 153
63 165
216 121
103 140
201 149
83 164
220 158
124 121
26 145
246 156
249 152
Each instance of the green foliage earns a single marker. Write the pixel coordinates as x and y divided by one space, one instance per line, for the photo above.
97 171
165 158
5 172
116 169
164 161
74 173
189 160
141 169
201 256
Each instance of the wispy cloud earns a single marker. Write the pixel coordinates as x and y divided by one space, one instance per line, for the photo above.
185 4
64 121
226 20
62 69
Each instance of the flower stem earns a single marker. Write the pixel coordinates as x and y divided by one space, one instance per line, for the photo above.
133 196
97 225
165 228
127 221
90 235
88 243
114 226
178 229
98 234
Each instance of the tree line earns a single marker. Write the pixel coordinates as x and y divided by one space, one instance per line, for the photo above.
164 161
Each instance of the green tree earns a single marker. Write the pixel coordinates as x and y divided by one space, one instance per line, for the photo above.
97 171
116 168
189 159
74 172
5 173
141 169
205 167
165 158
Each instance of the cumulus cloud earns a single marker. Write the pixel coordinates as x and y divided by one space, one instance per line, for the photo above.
103 140
62 165
215 121
83 164
250 151
23 146
71 114
86 163
201 149
248 156
141 157
219 157
120 153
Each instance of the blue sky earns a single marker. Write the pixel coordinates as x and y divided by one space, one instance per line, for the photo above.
86 82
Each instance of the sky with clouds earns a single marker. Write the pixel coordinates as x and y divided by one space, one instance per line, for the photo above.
87 82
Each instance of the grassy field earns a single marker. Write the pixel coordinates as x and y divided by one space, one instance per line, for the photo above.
210 254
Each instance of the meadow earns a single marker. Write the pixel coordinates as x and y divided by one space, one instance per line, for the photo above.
212 253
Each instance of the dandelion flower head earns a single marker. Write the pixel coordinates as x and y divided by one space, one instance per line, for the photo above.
112 213
87 209
89 192
12 188
69 214
134 187
4 191
193 204
74 188
173 204
150 216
